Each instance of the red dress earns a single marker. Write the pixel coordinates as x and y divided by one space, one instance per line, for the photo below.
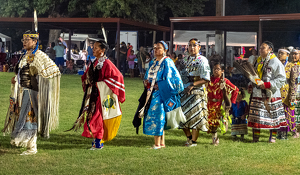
215 98
114 80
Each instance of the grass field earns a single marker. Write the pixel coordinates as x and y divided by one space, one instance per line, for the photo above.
68 152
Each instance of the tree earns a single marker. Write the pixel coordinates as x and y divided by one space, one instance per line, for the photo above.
131 9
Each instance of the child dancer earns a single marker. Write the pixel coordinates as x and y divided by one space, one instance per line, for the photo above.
239 110
216 117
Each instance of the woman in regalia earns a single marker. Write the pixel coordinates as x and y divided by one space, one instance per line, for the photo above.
288 94
104 88
295 54
34 99
163 79
195 75
266 108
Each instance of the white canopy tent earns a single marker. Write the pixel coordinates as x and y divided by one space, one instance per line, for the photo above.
245 39
76 38
7 40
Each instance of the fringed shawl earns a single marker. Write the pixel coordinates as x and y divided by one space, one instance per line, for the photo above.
48 75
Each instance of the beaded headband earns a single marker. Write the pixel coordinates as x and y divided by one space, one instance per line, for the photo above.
164 44
194 41
31 35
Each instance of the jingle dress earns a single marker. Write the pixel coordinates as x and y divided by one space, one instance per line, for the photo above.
216 116
194 105
165 102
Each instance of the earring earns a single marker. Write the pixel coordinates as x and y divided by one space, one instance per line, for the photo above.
164 54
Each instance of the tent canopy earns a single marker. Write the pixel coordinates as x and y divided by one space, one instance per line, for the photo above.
78 37
5 37
7 40
246 39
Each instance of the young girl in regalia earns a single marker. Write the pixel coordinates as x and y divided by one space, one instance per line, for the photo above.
239 111
217 118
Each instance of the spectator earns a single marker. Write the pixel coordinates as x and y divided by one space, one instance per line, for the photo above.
50 51
131 63
179 63
3 48
83 57
129 48
253 57
112 55
109 51
123 57
64 44
59 52
147 61
173 57
70 67
90 56
75 49
141 55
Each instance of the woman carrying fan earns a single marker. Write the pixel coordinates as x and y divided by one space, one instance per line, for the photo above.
266 108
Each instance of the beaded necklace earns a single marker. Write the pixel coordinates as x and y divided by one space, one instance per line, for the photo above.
191 65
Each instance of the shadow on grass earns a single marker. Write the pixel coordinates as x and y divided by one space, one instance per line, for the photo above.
63 141
141 141
68 141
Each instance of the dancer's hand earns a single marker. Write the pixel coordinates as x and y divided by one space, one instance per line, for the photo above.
146 83
83 86
262 86
13 80
188 89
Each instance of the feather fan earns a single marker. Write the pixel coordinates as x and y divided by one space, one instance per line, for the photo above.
248 70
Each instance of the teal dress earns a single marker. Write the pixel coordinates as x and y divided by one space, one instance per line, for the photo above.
163 100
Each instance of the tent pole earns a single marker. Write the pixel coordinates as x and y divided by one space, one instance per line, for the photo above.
224 47
171 38
259 35
206 46
118 44
69 45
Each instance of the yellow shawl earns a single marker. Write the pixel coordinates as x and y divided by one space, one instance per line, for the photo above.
261 64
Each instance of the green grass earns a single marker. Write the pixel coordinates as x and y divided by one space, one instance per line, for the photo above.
67 152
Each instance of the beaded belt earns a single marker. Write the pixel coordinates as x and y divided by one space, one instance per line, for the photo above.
215 100
194 78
